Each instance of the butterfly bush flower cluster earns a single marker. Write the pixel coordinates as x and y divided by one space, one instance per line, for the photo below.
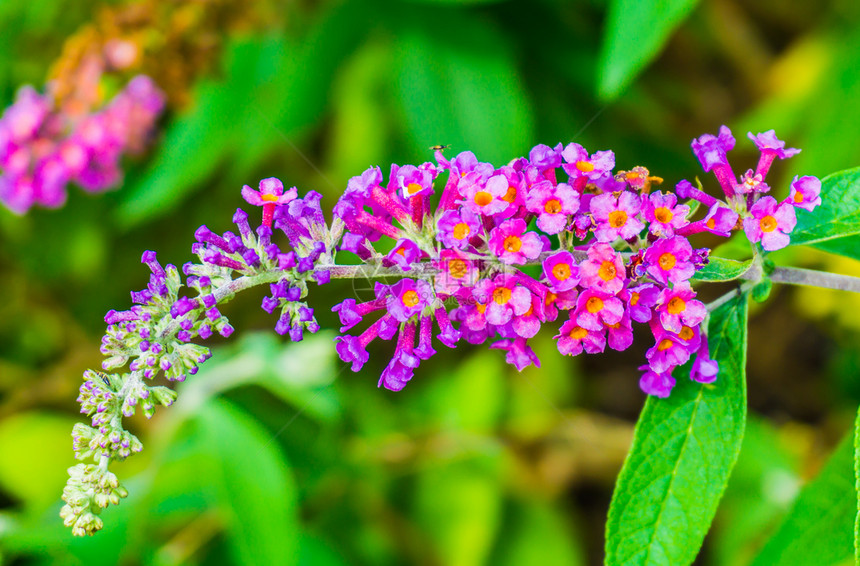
43 148
478 253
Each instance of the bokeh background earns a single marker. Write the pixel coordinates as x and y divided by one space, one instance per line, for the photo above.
276 453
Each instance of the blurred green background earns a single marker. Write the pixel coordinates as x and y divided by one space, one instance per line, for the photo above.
276 453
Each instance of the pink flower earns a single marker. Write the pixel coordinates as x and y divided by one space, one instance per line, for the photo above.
561 271
656 384
512 244
616 217
595 309
677 307
503 298
805 192
408 298
455 272
270 195
484 198
664 214
457 227
603 270
573 339
552 204
579 164
770 223
668 259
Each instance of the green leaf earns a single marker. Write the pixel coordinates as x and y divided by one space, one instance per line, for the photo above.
684 448
636 31
819 528
252 484
465 92
721 269
837 217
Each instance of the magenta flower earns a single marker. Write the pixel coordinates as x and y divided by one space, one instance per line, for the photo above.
552 204
408 298
677 307
721 220
270 195
455 272
668 259
573 339
664 214
805 192
544 157
410 181
517 353
620 334
503 298
564 300
656 384
770 223
404 254
668 353
603 270
640 301
768 142
595 309
485 198
510 242
579 164
515 196
456 227
561 271
616 217
752 183
402 366
711 150
705 369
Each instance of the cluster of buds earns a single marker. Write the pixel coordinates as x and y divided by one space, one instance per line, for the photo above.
42 148
495 255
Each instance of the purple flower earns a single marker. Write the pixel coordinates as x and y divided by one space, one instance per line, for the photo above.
411 181
711 150
657 384
805 192
503 298
668 353
573 339
544 157
603 270
486 198
404 254
408 298
271 191
767 142
561 271
770 223
402 366
579 164
752 182
677 307
512 244
552 204
518 353
616 217
704 369
595 309
455 272
640 301
456 227
668 259
665 214
620 334
720 220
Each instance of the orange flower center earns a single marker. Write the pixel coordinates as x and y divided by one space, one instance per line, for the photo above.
269 198
481 307
578 333
606 271
457 268
767 224
676 305
510 195
410 298
502 295
512 244
710 223
634 299
617 218
483 198
462 230
550 298
413 188
561 271
667 261
663 215
584 166
552 206
664 344
798 197
594 304
686 333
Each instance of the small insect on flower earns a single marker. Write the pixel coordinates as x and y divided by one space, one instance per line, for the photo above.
439 147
